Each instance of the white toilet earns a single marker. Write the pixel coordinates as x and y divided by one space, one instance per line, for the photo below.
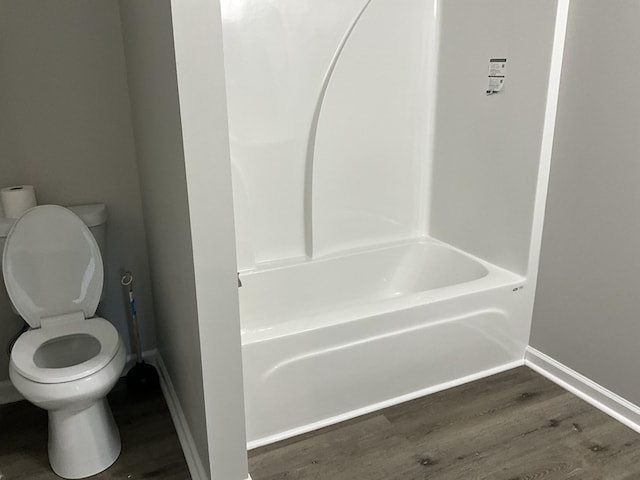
69 360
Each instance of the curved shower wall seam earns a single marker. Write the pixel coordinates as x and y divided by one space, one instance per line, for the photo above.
313 130
426 181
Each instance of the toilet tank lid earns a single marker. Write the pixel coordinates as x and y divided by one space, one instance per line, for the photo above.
92 215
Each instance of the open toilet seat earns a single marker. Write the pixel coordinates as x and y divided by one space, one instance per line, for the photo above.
101 345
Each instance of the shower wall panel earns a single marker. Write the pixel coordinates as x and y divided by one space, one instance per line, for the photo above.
487 148
370 140
276 54
371 148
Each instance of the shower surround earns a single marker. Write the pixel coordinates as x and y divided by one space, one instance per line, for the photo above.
387 210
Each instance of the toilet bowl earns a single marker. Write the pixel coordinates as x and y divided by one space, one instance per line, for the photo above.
69 360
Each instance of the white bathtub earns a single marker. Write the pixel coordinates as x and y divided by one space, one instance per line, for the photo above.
337 337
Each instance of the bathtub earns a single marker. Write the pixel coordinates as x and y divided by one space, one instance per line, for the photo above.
332 338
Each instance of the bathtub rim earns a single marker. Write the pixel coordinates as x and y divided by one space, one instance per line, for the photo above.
360 312
496 278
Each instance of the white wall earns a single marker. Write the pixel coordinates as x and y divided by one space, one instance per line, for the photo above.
65 127
197 27
183 155
487 148
371 147
587 304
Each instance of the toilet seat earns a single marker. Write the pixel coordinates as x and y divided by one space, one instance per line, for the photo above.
52 265
25 348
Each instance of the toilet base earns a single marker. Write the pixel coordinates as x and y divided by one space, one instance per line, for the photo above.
83 443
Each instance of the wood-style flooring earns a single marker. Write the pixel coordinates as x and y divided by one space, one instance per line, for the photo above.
150 446
513 426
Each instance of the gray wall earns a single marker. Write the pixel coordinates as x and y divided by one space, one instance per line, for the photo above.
65 127
587 308
148 40
487 148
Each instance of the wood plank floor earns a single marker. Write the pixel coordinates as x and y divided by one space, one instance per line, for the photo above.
513 426
150 446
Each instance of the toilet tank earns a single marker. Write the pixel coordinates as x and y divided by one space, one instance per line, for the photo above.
93 215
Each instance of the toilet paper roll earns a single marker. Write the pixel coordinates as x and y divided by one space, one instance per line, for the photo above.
17 200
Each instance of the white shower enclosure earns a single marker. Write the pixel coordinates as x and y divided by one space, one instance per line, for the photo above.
388 211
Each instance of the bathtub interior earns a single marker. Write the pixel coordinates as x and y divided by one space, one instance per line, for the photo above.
357 277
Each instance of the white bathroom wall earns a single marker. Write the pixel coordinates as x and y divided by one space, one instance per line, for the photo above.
487 148
176 81
370 140
197 27
587 304
65 127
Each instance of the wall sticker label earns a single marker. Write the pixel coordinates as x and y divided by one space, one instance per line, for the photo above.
497 67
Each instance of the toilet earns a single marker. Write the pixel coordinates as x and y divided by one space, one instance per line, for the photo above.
69 359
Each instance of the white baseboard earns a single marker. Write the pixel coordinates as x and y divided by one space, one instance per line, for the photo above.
605 400
194 462
8 393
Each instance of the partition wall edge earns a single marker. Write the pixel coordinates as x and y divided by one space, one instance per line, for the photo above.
553 93
202 97
426 175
